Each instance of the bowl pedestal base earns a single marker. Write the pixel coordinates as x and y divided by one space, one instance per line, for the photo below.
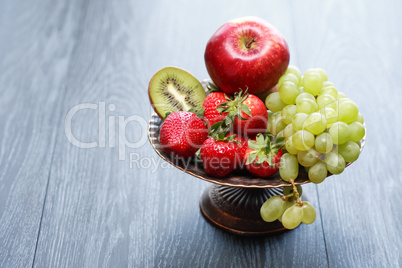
237 210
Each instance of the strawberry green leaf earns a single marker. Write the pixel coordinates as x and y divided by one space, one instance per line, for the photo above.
212 88
270 160
232 138
260 139
220 109
253 145
216 125
199 113
245 109
198 153
228 120
167 114
261 157
251 157
278 143
221 135
279 140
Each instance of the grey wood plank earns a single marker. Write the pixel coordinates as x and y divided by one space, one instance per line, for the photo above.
100 211
35 48
358 43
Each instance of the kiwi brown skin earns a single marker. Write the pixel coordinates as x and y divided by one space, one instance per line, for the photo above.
150 99
191 86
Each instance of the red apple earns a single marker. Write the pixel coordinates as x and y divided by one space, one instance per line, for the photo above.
246 53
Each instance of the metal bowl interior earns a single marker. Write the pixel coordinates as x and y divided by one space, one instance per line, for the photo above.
194 166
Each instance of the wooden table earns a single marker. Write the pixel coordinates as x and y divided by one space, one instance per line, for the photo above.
88 63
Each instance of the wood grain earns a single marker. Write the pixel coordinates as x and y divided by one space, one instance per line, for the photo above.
101 212
66 206
35 48
358 43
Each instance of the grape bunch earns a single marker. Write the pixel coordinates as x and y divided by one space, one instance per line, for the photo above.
288 208
322 127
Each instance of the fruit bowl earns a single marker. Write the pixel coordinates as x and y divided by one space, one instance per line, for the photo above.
232 203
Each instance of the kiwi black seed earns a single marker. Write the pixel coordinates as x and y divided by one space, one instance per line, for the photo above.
173 89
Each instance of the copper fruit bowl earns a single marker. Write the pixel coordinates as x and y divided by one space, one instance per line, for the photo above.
232 203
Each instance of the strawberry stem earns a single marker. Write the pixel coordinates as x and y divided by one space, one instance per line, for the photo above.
265 147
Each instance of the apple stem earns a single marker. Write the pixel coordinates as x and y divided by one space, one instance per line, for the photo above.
248 45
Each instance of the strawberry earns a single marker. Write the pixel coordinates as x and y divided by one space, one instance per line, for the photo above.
219 156
263 155
182 134
242 144
245 113
211 114
254 123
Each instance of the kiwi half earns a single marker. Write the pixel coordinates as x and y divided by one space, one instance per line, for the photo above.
173 89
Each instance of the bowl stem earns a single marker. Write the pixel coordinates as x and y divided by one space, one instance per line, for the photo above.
237 210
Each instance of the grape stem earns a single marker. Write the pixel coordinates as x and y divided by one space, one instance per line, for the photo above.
296 193
286 197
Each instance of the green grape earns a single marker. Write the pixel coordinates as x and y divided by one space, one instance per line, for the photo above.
287 190
306 106
280 134
322 73
330 115
289 202
292 217
288 92
310 71
312 82
307 158
288 77
304 95
342 100
327 84
360 118
347 111
301 89
269 122
277 123
329 90
290 147
350 151
309 213
272 208
315 123
324 143
317 172
357 131
303 140
326 100
274 102
339 132
288 167
335 163
341 95
298 121
295 71
288 112
288 131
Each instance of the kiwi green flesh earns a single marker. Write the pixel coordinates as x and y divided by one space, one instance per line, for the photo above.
172 89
